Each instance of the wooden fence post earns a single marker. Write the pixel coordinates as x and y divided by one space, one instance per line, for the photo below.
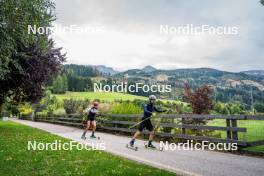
234 133
183 123
228 133
115 125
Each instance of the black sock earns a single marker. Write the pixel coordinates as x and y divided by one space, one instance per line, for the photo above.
149 142
93 133
132 141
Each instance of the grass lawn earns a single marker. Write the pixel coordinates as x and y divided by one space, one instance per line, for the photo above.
255 131
105 96
15 159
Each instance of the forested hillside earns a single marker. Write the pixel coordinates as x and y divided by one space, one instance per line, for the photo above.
74 78
246 88
228 86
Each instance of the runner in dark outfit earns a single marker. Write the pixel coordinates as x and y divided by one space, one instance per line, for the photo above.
91 120
146 122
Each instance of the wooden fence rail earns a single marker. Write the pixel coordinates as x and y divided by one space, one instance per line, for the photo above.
122 122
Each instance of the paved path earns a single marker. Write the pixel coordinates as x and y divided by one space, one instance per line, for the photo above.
182 162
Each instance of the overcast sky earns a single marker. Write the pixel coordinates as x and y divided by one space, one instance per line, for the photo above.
131 37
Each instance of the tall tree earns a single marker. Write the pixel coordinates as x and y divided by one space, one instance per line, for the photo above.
27 60
60 84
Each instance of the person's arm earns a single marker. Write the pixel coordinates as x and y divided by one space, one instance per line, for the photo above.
157 110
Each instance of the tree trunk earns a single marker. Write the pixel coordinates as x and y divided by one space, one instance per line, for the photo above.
1 110
1 104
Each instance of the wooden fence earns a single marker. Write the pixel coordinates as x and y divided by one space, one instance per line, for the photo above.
122 122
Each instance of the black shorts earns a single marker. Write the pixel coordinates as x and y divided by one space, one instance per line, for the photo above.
145 124
91 119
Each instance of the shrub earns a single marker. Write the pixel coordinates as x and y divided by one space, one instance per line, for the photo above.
59 112
105 108
10 109
25 110
199 99
70 106
259 107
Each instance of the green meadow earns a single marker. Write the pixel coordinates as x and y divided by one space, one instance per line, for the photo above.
255 131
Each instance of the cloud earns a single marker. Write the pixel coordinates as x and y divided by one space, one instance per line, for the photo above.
131 37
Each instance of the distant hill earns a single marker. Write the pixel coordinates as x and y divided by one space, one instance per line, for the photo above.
81 70
228 86
149 69
105 70
254 72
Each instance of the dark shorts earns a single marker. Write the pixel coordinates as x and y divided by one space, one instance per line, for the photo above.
91 119
145 124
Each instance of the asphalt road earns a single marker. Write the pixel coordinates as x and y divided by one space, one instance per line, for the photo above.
182 162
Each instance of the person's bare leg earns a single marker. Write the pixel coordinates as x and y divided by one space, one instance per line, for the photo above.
134 138
136 135
94 127
151 135
86 129
87 126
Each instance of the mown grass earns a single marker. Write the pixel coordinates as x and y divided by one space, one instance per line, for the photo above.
103 96
255 131
15 159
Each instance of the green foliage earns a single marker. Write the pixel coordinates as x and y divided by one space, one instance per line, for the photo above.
60 84
27 60
11 109
78 83
15 16
262 2
126 108
221 108
59 112
81 70
229 108
259 107
48 104
178 107
25 109
42 114
235 108
76 78
72 106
